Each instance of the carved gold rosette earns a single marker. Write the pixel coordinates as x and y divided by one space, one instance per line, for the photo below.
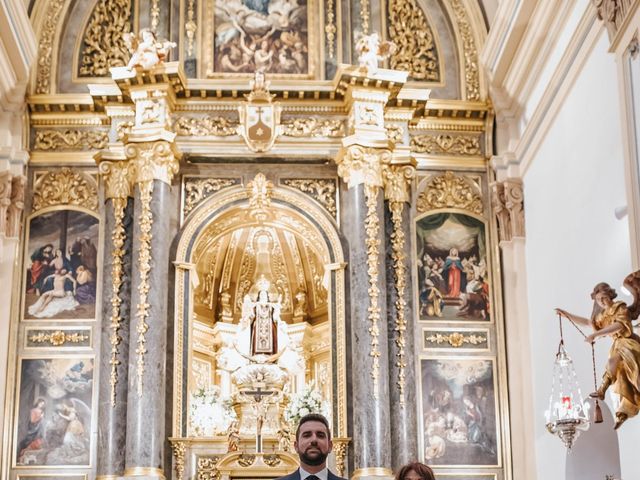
372 242
70 139
65 187
450 191
416 48
58 338
144 266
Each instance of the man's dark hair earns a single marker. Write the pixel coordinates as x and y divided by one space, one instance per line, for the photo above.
314 417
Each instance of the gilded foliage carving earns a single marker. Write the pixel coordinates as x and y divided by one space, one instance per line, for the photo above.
58 338
45 46
395 133
399 256
330 28
450 191
312 127
465 145
70 140
260 191
179 451
198 189
470 50
65 187
321 190
416 49
456 339
202 127
206 468
360 164
103 42
340 450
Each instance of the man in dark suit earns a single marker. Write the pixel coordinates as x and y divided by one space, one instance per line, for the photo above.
313 445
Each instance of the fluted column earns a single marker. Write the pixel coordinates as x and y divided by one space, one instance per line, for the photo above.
116 306
363 226
155 163
400 309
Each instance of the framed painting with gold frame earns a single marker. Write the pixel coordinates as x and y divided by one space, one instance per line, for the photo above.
54 412
459 410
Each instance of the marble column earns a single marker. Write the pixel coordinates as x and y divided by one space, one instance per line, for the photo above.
155 163
400 315
363 226
116 306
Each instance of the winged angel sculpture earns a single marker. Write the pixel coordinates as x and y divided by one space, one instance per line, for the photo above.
372 50
146 50
613 319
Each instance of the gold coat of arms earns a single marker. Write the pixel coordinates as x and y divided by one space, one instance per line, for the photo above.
259 116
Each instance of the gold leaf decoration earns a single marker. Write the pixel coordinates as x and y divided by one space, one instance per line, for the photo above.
179 449
58 338
450 191
272 460
65 187
202 127
330 29
312 127
416 49
198 189
45 46
70 140
372 242
103 44
246 460
456 339
206 468
321 190
471 61
395 133
465 145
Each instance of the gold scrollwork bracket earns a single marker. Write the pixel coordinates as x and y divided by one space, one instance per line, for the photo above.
340 448
179 448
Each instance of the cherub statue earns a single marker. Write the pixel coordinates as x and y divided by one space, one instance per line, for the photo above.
146 50
233 437
371 51
613 319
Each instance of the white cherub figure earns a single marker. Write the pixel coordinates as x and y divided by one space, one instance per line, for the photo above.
146 50
371 51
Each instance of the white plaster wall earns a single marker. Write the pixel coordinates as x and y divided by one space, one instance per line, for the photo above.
572 186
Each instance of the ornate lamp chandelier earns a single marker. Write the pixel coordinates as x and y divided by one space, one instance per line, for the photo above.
568 413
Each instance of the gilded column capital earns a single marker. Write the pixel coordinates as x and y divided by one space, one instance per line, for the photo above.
359 164
154 160
118 178
398 175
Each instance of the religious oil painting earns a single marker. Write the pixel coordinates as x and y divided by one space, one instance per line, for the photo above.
459 411
267 35
452 268
54 412
61 266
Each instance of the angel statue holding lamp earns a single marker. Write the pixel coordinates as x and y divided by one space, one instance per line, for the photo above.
612 318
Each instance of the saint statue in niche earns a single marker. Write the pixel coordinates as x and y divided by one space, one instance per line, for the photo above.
263 316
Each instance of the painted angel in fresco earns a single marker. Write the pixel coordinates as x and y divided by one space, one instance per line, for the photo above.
613 318
371 50
146 50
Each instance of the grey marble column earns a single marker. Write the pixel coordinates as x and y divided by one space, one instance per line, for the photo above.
404 421
146 400
371 437
112 409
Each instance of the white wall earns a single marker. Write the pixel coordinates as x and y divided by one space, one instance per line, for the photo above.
572 186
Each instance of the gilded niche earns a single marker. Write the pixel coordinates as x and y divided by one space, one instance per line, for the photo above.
416 48
103 44
64 187
450 191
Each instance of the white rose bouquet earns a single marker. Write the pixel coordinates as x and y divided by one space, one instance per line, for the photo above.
210 413
308 400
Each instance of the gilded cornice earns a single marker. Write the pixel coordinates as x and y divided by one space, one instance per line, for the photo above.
117 177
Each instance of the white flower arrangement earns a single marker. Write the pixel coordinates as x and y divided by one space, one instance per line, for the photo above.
210 413
308 400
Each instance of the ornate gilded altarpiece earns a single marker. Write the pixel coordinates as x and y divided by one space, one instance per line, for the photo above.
248 216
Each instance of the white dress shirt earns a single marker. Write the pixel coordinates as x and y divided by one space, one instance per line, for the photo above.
322 474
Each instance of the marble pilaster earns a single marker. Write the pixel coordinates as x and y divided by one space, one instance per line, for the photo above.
114 342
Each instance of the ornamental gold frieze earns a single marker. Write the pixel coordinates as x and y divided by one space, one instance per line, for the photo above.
456 339
416 50
58 338
103 45
312 127
64 187
450 191
470 50
196 190
447 144
52 140
322 190
46 47
217 126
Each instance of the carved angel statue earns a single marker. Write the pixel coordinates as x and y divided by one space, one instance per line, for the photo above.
371 51
613 318
146 50
233 437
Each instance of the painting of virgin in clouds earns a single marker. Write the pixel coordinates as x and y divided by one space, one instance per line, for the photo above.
459 412
267 35
61 266
452 268
54 416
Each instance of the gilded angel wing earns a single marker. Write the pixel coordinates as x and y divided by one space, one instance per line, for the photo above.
632 282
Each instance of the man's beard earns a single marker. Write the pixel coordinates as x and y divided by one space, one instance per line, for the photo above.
318 458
